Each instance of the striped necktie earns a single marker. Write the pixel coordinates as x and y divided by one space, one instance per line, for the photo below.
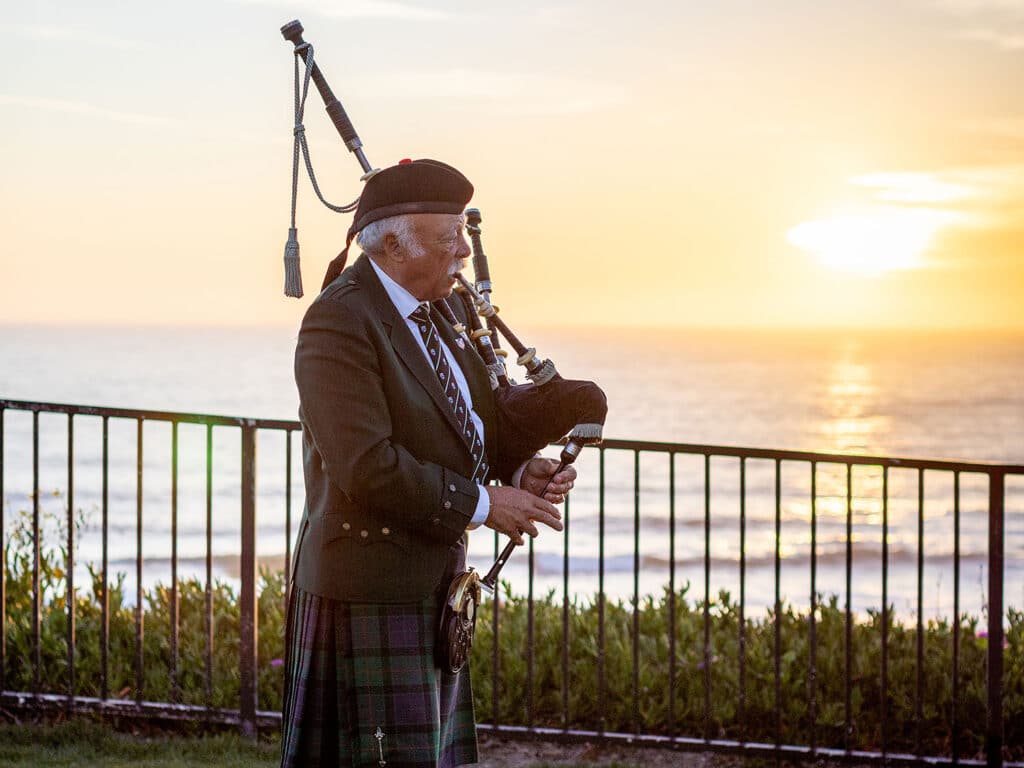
439 362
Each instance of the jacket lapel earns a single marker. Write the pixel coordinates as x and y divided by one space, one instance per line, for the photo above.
404 344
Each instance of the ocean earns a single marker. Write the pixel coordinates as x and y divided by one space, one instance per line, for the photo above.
957 395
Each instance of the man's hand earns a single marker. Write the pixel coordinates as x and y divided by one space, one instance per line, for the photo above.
514 511
537 474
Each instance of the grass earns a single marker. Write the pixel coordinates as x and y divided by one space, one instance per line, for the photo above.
83 744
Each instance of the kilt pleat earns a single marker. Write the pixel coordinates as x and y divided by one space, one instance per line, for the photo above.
362 687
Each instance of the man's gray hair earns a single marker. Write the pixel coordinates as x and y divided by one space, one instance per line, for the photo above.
371 237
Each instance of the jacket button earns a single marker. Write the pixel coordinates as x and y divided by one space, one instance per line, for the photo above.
452 487
364 534
385 531
346 526
447 505
436 521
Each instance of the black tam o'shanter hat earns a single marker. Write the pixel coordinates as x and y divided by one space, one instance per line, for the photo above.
412 186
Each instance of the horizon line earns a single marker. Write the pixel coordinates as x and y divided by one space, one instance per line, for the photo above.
707 327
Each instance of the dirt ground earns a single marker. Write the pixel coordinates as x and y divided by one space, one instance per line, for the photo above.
500 752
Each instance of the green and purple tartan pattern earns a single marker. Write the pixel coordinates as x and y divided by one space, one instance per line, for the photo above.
362 686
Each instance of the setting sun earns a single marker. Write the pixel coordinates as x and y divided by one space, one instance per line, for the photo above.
871 241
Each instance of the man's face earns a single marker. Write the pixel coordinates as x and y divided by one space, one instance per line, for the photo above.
431 275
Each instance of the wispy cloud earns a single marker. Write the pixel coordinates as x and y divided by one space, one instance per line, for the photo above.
977 189
981 6
981 197
63 34
774 127
78 108
356 9
998 127
521 93
556 15
914 188
998 23
1010 41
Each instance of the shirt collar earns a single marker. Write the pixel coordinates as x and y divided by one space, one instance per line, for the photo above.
404 301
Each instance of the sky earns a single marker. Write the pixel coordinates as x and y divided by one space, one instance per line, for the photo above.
798 164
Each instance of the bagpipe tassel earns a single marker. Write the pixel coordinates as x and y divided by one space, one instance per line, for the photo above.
292 273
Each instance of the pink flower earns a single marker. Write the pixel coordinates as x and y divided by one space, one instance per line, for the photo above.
277 662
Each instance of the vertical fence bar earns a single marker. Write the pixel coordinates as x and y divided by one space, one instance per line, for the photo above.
139 629
847 649
209 565
601 717
70 561
956 617
707 597
36 597
530 629
885 612
175 692
672 595
777 649
994 684
495 655
812 673
247 647
919 683
105 567
742 707
287 515
636 591
3 567
565 620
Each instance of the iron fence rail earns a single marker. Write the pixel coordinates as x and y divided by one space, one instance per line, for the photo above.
249 718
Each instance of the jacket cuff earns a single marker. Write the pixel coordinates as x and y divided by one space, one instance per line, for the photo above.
458 503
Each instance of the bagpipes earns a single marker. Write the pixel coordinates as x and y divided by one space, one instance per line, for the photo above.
530 416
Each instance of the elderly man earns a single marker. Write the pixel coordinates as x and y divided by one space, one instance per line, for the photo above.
400 439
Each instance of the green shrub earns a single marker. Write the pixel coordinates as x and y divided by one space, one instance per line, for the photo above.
612 706
750 716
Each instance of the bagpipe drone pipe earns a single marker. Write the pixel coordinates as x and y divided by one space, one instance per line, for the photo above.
531 416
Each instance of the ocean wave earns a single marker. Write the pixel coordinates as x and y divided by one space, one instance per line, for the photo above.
551 563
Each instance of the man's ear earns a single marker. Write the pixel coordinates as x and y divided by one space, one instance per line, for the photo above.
393 247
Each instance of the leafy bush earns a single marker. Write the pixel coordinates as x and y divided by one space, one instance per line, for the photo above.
748 713
19 669
752 716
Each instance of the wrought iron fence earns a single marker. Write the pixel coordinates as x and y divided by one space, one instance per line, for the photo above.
591 512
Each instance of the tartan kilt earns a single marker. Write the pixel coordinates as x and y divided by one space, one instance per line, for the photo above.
355 672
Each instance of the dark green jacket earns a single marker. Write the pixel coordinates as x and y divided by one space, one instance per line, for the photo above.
388 494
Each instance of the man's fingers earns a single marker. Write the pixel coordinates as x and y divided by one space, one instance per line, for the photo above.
548 513
562 488
515 512
567 475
